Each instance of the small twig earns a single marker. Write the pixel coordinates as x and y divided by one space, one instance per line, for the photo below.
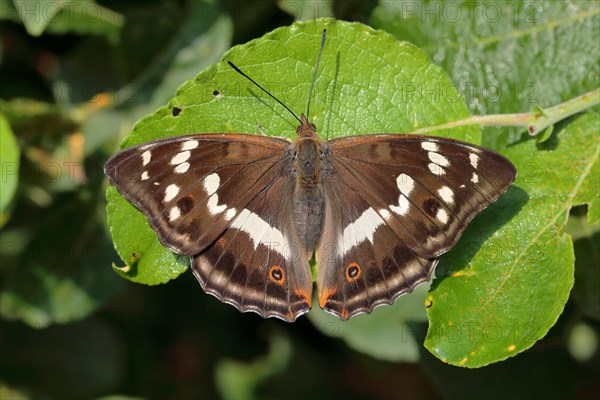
535 122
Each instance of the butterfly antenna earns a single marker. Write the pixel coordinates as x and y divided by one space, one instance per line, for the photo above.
239 71
312 85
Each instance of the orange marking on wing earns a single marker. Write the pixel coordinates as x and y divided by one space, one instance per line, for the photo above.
290 315
327 293
304 294
344 314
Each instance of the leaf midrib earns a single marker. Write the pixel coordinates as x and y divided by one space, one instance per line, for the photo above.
567 205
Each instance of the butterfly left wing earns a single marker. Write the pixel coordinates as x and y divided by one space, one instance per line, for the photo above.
191 187
256 265
394 204
225 200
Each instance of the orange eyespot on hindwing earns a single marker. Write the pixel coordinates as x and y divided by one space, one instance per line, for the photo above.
352 272
276 275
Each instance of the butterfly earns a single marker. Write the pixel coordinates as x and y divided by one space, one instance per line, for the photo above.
376 211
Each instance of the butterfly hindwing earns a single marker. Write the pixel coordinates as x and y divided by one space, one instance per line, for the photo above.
361 261
256 265
192 187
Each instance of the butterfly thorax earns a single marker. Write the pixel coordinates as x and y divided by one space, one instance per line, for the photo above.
308 204
308 152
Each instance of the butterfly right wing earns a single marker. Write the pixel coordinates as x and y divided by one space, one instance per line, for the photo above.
395 203
192 187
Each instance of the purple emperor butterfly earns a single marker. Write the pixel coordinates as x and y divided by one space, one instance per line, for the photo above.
376 210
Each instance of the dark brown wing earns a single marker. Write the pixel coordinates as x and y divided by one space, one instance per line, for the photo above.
361 261
256 264
401 200
224 199
191 187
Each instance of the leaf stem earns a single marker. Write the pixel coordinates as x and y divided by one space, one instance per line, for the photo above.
535 121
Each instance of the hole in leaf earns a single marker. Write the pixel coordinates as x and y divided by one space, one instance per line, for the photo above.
176 111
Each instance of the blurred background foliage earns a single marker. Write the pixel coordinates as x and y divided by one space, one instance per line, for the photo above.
76 75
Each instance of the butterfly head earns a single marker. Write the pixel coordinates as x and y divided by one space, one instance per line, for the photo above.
306 128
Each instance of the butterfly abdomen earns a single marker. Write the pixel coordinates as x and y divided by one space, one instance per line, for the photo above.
307 215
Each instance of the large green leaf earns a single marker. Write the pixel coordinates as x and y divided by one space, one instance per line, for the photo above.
146 261
495 298
9 164
506 56
545 372
368 82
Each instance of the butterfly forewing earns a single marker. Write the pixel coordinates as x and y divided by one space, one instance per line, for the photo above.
192 187
426 189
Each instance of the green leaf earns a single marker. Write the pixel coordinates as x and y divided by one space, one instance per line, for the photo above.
9 163
35 16
63 16
346 102
505 57
146 260
494 298
547 373
61 275
384 334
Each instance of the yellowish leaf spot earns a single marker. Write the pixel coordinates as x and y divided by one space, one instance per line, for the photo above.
512 347
428 301
472 353
463 361
462 273
450 323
